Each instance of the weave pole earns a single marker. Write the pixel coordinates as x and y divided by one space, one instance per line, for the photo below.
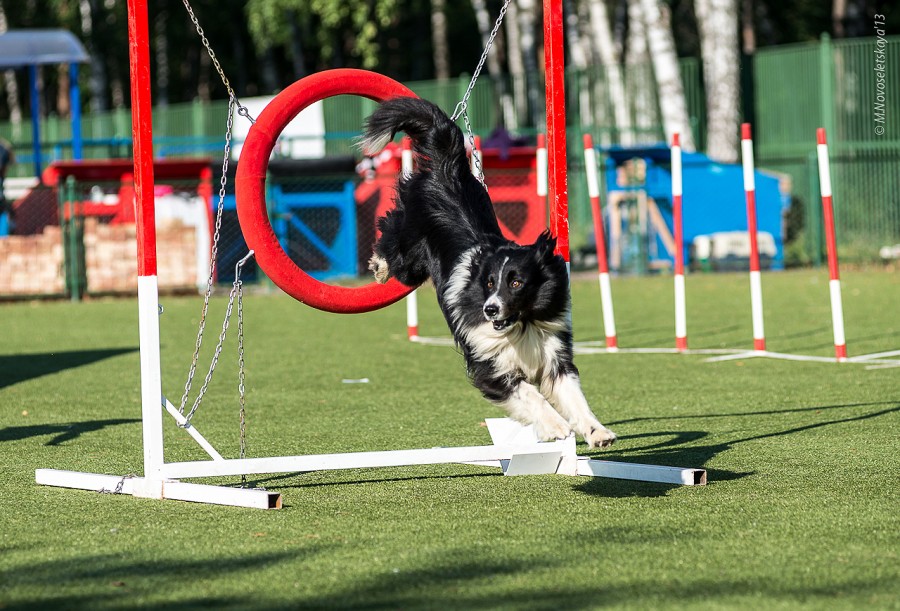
834 284
681 343
609 319
756 304
412 300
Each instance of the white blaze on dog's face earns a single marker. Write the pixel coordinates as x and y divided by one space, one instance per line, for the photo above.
508 281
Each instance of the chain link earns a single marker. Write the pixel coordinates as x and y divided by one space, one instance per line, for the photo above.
119 486
462 109
240 302
242 110
220 207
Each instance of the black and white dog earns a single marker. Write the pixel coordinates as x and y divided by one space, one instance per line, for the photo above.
507 305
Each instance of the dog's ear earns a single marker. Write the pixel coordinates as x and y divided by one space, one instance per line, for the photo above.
545 245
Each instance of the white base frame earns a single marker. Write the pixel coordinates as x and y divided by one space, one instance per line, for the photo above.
515 451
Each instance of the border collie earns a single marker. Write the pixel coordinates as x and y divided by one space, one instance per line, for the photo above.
507 305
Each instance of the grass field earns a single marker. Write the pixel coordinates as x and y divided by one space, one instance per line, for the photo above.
801 511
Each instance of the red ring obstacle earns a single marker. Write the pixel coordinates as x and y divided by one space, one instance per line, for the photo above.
250 191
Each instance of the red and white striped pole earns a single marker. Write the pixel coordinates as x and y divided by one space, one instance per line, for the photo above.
541 160
412 300
756 303
609 319
681 343
834 284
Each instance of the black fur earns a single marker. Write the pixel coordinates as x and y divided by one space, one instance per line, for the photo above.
506 304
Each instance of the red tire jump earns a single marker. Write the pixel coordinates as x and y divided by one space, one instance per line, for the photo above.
250 191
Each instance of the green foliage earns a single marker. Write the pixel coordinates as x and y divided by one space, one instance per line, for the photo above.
336 21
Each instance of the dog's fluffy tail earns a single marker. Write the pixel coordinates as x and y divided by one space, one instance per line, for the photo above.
437 140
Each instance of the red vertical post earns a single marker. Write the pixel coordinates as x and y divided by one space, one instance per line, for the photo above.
554 68
142 133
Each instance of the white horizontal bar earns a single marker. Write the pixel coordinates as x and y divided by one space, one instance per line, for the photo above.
433 341
165 489
644 473
353 460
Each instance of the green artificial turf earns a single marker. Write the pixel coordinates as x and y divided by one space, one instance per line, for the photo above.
800 511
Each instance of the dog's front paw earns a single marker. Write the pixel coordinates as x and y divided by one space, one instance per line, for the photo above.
379 268
552 429
600 437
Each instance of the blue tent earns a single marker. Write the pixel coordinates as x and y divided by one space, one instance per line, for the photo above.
33 48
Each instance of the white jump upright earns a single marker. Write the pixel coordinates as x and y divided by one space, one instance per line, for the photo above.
756 300
834 284
606 302
681 343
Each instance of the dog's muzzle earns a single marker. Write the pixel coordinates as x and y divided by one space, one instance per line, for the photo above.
492 312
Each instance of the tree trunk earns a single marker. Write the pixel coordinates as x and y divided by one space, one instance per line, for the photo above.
161 27
516 62
718 25
439 39
640 83
609 59
485 25
97 83
672 104
12 88
298 62
527 13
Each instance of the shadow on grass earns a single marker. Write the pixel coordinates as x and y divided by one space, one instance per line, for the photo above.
15 368
113 581
672 450
458 579
62 432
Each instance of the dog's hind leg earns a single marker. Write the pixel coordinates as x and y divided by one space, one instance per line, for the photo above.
565 394
398 253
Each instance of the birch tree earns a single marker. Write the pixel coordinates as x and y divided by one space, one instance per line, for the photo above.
516 62
672 104
639 74
439 39
609 58
485 25
527 14
718 25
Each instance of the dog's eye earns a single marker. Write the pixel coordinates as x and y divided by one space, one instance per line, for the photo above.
490 283
516 284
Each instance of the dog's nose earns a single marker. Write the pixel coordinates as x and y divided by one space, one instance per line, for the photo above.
491 310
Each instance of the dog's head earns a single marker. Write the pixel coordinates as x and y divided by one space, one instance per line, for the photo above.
524 284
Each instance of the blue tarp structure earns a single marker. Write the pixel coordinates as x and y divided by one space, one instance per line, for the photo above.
33 48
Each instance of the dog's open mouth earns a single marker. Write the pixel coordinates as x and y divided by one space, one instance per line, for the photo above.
500 325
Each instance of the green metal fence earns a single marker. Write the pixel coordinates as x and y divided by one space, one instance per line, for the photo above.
833 84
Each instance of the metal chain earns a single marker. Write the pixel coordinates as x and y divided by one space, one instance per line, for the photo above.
242 110
240 301
119 486
218 350
213 255
462 109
